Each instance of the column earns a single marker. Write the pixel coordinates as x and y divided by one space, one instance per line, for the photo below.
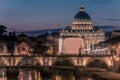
63 47
60 45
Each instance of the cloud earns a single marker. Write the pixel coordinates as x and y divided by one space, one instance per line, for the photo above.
112 19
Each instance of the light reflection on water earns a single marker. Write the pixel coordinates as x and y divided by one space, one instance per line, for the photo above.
86 78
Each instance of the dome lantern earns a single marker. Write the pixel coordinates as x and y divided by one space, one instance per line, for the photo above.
82 8
82 15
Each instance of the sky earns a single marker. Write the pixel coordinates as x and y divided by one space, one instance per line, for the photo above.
26 15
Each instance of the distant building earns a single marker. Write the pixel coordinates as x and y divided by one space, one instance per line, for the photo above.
83 28
115 33
108 35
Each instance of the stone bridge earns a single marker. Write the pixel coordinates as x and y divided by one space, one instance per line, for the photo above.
37 67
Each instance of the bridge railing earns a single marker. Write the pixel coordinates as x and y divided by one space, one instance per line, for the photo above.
87 52
60 55
103 51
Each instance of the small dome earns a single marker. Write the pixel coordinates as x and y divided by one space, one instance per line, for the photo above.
82 15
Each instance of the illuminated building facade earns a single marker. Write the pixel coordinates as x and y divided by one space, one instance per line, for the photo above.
83 28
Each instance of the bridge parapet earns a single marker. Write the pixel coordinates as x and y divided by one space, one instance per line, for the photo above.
102 51
49 60
60 55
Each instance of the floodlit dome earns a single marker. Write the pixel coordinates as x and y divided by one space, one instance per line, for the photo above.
82 15
82 21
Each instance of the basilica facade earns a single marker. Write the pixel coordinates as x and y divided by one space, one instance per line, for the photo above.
83 28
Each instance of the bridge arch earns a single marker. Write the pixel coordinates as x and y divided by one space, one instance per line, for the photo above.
60 61
97 63
26 61
27 68
63 67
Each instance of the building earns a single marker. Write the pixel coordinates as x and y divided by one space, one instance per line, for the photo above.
83 28
115 33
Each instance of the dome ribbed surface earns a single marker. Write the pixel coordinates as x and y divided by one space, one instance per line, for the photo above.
82 15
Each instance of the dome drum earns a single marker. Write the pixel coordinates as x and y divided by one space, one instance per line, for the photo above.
86 23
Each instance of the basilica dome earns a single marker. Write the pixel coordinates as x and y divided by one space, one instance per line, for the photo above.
82 20
82 15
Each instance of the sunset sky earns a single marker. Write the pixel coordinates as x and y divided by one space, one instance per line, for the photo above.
22 15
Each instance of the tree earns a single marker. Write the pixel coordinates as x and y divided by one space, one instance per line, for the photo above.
2 29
